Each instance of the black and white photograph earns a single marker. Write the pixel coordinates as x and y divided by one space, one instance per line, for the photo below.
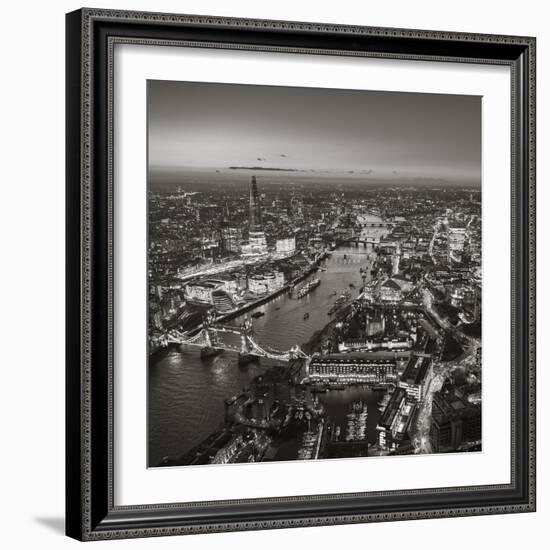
314 268
284 257
300 276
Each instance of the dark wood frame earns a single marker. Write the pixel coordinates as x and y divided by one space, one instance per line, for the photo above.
90 510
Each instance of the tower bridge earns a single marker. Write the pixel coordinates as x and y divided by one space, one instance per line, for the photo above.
210 336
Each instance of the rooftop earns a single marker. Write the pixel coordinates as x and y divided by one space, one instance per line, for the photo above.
416 369
392 408
390 283
355 357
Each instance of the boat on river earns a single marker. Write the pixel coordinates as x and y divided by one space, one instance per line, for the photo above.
308 287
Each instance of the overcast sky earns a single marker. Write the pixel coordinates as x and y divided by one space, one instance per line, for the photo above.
199 125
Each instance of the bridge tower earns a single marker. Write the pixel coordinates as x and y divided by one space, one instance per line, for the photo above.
247 327
245 355
207 339
209 348
245 348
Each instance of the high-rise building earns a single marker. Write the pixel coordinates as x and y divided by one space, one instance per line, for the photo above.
395 263
257 243
456 239
395 420
416 376
285 245
262 283
200 292
255 215
456 422
231 239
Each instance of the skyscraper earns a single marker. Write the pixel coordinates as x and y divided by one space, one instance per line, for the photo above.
255 217
456 238
257 243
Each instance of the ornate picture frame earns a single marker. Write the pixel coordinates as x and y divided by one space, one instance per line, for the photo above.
90 330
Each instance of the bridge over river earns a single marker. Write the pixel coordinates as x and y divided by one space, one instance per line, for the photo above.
373 228
187 393
213 336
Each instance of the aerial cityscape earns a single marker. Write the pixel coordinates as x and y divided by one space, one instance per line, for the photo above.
300 311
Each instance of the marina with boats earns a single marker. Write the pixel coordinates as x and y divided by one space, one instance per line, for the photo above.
280 322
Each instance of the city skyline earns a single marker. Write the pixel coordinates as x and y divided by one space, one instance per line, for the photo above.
298 314
297 132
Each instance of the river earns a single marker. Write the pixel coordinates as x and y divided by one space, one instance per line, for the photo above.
186 393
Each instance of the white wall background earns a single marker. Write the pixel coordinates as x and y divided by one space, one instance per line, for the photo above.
32 232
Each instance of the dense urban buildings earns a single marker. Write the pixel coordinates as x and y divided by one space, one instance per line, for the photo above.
350 314
314 273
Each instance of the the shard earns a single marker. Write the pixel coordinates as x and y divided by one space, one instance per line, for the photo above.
255 218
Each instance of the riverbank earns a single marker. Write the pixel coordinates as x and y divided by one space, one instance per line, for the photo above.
156 353
267 298
187 393
315 343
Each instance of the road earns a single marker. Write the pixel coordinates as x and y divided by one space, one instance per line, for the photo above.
421 431
421 438
213 269
432 242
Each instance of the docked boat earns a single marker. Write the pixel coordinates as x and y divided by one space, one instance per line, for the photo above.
356 422
257 314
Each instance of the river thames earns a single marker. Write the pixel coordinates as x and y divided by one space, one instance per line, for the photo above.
186 393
